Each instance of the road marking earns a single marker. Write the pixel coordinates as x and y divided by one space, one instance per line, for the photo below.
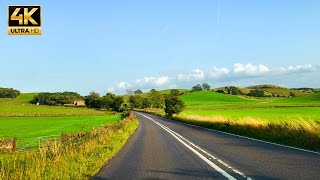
290 147
189 144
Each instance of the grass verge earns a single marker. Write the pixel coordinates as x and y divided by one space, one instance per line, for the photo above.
294 132
74 159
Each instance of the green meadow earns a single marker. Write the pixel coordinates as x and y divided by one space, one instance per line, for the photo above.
293 121
207 103
26 122
27 129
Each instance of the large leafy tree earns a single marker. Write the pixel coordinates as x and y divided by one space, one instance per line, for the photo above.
206 86
135 101
138 91
156 98
173 105
197 87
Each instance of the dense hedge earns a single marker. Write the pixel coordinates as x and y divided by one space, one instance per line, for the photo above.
9 93
58 98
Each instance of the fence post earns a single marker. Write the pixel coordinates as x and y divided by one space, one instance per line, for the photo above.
14 145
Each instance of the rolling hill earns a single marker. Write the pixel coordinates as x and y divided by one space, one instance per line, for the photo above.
209 97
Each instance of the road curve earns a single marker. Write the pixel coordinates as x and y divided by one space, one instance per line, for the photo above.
165 149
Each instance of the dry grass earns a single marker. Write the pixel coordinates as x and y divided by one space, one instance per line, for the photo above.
296 132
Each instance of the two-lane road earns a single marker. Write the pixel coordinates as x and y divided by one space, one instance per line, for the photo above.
165 149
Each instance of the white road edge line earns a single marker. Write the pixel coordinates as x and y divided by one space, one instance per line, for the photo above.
290 147
214 166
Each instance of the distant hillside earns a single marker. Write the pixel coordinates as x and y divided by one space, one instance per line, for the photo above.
314 97
23 98
209 97
167 91
266 86
270 90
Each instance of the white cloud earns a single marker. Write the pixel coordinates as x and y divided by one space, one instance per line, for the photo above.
218 72
249 69
160 81
195 75
238 74
152 81
302 68
123 85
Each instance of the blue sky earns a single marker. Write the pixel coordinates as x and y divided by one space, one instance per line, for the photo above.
116 45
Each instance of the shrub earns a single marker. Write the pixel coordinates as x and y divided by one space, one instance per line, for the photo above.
58 98
9 93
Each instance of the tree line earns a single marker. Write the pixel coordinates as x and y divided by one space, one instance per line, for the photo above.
171 103
9 93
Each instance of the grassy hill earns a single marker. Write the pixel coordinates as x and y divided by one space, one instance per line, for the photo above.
270 89
309 98
23 98
277 90
210 97
166 91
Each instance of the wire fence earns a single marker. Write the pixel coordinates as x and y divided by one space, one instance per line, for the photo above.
36 143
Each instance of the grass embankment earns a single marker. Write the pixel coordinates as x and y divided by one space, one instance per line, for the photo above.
276 120
74 159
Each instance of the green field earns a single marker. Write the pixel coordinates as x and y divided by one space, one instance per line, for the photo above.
26 129
293 121
26 122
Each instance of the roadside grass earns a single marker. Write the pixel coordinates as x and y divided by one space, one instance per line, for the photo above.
293 131
74 159
26 129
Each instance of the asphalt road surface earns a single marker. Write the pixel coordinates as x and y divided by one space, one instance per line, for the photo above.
165 149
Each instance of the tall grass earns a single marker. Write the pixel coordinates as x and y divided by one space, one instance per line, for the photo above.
75 159
292 131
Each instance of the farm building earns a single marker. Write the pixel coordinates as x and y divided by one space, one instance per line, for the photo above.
79 103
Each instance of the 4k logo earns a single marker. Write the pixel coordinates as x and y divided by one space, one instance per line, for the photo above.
24 20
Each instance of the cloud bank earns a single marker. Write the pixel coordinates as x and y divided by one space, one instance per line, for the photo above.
239 74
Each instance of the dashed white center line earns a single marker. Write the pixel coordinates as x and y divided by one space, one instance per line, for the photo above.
193 148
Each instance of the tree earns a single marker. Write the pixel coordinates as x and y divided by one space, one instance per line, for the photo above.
9 93
138 91
219 91
256 93
135 101
93 100
232 90
117 103
206 86
58 98
173 105
175 92
197 88
292 94
156 98
108 100
146 103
